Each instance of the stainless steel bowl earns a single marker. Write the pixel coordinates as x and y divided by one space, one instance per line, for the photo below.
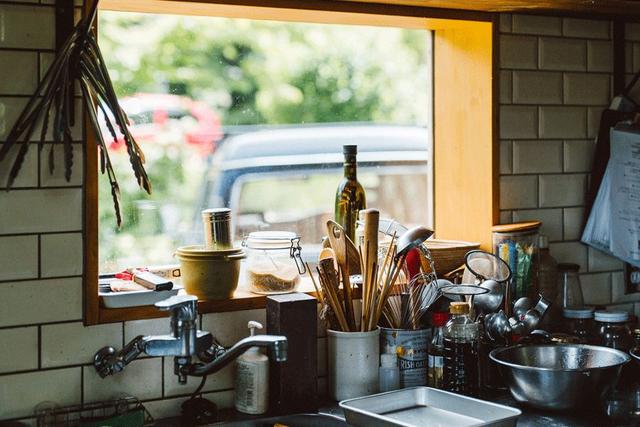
635 353
559 376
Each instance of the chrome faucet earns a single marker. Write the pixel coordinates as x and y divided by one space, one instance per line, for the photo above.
185 342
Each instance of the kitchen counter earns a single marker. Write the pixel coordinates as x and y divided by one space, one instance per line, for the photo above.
536 418
586 417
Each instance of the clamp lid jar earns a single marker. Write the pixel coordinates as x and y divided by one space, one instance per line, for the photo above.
274 263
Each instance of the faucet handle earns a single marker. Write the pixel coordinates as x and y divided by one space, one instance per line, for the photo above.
176 301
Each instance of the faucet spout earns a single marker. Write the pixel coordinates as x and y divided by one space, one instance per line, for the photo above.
275 343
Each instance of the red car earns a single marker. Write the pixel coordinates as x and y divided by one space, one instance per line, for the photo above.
155 115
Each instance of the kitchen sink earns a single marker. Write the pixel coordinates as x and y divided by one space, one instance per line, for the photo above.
296 420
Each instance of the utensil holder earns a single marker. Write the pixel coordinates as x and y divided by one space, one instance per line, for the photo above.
353 359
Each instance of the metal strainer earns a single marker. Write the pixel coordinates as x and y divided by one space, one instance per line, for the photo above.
481 266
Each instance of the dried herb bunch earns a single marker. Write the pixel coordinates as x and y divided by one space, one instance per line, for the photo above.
79 60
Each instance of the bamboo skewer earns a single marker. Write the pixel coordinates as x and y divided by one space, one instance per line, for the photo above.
329 294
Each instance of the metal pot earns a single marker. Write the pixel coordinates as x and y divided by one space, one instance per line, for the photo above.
560 376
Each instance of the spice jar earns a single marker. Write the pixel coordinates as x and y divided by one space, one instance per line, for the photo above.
273 264
580 323
613 330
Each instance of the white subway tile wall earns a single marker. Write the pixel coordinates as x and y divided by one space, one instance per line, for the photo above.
58 350
28 176
24 349
557 80
61 254
564 54
19 393
547 125
142 378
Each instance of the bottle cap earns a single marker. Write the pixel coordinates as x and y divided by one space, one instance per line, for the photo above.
459 308
350 149
611 316
439 318
578 313
567 266
253 325
388 360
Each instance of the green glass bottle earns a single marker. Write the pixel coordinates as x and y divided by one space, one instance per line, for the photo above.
350 197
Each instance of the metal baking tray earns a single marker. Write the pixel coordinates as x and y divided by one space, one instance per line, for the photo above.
135 298
426 407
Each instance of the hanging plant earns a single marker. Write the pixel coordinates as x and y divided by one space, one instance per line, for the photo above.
79 60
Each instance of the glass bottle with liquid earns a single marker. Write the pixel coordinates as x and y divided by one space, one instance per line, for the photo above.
461 334
436 350
350 196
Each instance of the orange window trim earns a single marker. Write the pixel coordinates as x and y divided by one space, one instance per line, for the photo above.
465 155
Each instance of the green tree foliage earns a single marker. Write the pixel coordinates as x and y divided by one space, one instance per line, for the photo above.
250 72
256 72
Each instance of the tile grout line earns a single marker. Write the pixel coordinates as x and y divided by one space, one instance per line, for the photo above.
82 385
39 255
43 233
39 347
26 325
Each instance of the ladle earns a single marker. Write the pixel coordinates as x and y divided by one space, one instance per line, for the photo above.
412 239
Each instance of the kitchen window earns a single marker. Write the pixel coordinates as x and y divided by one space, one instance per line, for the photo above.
447 101
251 115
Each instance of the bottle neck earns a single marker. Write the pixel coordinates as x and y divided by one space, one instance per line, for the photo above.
452 315
350 168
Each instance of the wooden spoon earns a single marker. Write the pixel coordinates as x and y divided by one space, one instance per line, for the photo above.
338 239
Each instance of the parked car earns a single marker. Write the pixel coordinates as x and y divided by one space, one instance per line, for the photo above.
285 179
157 117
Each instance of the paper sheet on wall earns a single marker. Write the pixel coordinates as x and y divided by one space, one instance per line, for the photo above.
625 195
614 222
597 231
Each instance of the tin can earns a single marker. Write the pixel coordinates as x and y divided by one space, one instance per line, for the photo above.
218 234
411 348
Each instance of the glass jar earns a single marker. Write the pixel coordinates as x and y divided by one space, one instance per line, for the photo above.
579 323
569 284
613 330
517 245
273 264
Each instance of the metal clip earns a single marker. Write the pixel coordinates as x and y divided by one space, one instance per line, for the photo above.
294 252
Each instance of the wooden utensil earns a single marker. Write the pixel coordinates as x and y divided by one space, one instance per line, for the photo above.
338 239
352 251
369 264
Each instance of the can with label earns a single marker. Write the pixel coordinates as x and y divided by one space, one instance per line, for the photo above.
411 348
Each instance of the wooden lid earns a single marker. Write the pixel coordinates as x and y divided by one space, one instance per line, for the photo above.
516 227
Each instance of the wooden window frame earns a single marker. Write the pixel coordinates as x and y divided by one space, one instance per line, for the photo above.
465 140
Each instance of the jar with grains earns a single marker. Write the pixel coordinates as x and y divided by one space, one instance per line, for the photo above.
274 263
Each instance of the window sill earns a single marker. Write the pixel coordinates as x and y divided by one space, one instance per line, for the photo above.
242 300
